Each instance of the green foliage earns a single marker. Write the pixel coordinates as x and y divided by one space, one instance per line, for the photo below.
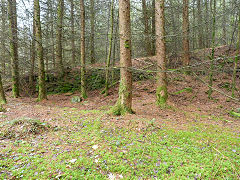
95 80
188 90
225 85
2 109
234 113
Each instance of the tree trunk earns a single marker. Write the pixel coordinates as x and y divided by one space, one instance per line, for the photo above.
146 29
213 50
207 37
110 48
39 50
186 56
59 50
73 34
124 103
161 91
115 45
2 94
224 24
83 81
194 26
33 55
199 24
237 59
12 12
50 6
3 36
174 38
153 29
92 51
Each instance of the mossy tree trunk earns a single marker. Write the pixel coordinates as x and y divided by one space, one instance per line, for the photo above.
110 48
83 68
73 34
124 103
59 50
39 50
33 56
186 55
2 95
12 12
237 58
92 35
161 91
146 28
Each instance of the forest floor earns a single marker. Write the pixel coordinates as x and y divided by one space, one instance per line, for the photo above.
193 137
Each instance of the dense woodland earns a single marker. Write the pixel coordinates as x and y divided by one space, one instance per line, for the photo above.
157 64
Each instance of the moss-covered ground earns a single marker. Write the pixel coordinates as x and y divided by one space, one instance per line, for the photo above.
89 146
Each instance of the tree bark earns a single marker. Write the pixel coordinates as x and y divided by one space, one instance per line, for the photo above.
161 91
124 103
92 44
50 6
73 34
146 29
224 24
186 55
110 48
83 69
207 36
199 24
237 59
2 94
59 50
12 12
213 50
194 25
153 29
33 56
3 36
39 50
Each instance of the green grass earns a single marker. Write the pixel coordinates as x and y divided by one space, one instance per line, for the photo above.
201 151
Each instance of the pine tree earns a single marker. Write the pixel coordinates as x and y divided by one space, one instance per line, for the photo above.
161 91
39 50
12 12
124 103
83 55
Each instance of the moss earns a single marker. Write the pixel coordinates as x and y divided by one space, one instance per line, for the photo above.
120 110
127 44
162 96
15 90
2 109
83 93
121 107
